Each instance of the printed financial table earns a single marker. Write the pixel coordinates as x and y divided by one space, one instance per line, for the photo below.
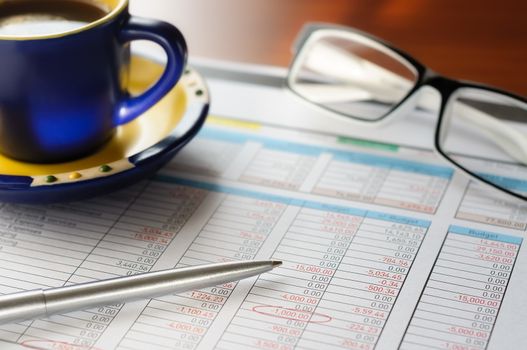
350 219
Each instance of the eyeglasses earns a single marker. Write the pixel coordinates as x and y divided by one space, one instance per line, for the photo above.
481 130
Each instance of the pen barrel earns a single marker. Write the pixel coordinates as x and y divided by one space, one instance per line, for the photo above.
149 285
22 306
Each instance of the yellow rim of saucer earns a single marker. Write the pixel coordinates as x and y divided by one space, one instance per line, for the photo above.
130 139
115 7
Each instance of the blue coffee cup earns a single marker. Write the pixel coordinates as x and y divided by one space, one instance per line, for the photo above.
62 95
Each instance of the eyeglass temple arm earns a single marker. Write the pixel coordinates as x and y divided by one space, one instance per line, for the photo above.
365 75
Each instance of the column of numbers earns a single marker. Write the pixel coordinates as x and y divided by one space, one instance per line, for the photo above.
366 286
382 185
236 231
275 313
132 245
343 274
491 207
41 247
461 300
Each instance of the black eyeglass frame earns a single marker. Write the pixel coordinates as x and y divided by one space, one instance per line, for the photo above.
426 77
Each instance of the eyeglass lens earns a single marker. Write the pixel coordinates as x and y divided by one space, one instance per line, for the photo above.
352 75
486 133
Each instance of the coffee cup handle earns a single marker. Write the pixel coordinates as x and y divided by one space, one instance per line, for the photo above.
173 42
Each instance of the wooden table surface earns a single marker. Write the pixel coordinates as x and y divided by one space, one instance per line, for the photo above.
479 40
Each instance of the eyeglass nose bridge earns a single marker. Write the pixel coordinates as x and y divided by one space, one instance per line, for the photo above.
445 86
430 93
431 84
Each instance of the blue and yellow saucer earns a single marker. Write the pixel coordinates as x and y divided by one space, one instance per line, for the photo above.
137 150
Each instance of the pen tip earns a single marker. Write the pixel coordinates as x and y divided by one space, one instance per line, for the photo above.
276 263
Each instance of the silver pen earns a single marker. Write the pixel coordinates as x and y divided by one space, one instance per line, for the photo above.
42 303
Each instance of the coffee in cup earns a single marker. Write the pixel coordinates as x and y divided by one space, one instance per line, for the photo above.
42 17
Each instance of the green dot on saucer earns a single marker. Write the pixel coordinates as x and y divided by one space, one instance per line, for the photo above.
105 168
51 179
199 92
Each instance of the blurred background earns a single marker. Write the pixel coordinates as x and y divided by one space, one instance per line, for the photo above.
479 40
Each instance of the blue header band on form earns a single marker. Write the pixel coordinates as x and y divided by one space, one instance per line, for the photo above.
347 156
295 202
485 235
507 182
